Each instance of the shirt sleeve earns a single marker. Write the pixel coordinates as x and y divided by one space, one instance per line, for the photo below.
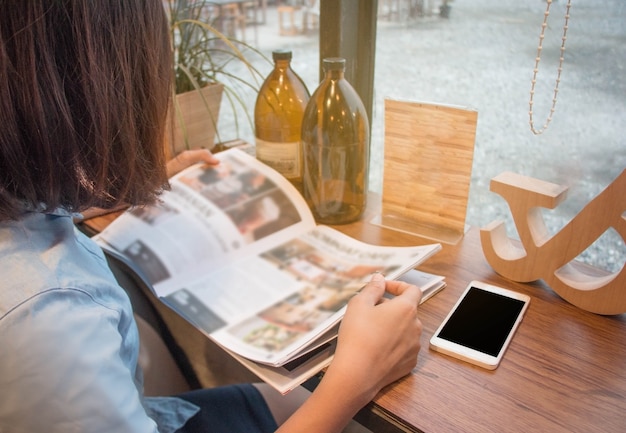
66 365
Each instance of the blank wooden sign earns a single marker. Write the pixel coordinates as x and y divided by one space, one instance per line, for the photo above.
429 150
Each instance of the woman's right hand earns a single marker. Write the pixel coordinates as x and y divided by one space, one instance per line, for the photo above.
379 338
378 343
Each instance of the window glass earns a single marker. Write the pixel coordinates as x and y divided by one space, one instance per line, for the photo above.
482 55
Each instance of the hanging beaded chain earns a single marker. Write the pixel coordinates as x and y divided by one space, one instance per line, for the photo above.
536 70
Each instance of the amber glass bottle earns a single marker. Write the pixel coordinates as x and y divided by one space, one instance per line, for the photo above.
335 147
278 118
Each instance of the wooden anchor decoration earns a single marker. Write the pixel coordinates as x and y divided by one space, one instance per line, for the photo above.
538 255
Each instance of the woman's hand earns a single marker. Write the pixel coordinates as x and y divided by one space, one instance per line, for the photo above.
379 338
174 166
378 343
190 157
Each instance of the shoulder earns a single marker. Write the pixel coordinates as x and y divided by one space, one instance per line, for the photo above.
68 337
70 319
41 253
69 358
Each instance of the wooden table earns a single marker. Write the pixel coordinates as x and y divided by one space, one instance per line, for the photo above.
565 370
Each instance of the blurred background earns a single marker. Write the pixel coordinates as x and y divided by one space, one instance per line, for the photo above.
481 54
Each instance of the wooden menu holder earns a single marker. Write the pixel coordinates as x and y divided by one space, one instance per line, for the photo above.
429 151
540 255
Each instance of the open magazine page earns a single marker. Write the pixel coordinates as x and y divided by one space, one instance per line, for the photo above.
208 217
286 377
269 306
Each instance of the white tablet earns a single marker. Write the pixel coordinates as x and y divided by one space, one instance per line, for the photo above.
481 325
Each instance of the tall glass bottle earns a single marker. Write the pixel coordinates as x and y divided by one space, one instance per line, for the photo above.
278 118
335 147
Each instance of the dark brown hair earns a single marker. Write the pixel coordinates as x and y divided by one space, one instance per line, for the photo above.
84 92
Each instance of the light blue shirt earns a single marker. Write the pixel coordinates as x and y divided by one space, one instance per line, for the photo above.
68 340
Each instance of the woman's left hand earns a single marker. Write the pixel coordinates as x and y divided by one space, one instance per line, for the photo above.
175 165
190 157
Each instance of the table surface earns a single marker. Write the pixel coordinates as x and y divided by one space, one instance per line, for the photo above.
565 370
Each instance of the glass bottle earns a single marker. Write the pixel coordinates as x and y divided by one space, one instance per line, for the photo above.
335 147
278 115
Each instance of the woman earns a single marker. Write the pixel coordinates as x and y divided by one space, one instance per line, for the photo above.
85 87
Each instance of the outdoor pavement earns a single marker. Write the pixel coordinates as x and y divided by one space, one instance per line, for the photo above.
483 56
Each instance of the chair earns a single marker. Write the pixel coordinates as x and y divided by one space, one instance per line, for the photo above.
263 5
310 12
284 12
388 8
166 368
250 12
249 9
232 19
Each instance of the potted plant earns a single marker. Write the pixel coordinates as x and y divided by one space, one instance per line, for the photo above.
207 65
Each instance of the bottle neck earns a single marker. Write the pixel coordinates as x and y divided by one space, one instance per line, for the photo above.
282 64
334 74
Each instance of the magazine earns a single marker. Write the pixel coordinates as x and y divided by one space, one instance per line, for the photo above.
235 250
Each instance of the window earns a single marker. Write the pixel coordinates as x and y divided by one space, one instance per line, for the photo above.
483 56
